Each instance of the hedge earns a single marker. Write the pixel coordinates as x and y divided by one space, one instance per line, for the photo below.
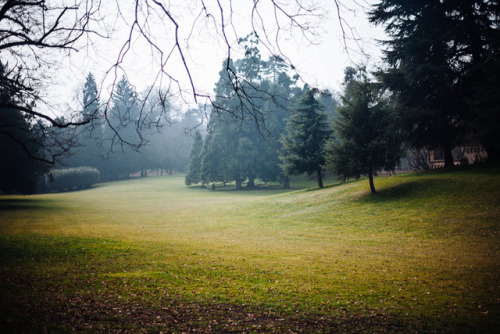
71 178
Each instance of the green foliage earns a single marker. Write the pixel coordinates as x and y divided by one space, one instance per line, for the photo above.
90 99
436 55
71 178
367 133
88 152
193 175
241 143
113 147
20 143
307 133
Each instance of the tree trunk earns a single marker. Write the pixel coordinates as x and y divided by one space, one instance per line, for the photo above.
251 183
493 151
238 184
448 156
286 182
320 179
372 186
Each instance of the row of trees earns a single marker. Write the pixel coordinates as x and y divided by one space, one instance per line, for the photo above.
112 144
361 137
243 140
115 146
440 83
438 90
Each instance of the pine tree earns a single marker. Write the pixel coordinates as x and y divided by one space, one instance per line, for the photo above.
122 133
421 72
90 99
303 144
440 56
88 152
367 137
193 175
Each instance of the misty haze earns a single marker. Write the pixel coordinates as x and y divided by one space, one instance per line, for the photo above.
222 166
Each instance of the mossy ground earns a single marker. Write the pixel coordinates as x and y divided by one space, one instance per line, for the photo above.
152 255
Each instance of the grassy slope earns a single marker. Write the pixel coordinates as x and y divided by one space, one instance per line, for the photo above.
152 255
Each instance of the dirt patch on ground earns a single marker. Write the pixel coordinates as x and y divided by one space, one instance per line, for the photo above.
89 315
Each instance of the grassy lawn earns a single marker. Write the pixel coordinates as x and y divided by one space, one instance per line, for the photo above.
152 255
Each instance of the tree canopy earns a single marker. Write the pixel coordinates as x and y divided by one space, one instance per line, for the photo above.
367 134
305 138
436 56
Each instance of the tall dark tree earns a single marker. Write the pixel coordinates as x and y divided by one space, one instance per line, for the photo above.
19 172
478 27
435 55
307 133
367 134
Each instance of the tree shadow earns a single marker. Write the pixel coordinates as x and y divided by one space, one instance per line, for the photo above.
14 204
403 191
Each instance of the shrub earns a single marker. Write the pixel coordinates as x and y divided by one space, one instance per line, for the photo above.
72 178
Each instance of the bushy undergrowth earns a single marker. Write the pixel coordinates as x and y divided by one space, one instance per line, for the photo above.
71 178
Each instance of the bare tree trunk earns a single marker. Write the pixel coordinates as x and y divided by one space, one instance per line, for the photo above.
286 182
320 179
372 186
238 183
251 183
448 156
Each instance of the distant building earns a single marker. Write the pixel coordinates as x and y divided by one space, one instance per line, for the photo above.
462 155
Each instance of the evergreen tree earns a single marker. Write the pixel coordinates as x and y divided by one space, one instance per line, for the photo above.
193 175
19 172
421 71
88 152
241 145
278 109
367 138
90 99
213 157
437 56
122 133
303 144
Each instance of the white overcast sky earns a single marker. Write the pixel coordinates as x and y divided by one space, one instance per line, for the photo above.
321 64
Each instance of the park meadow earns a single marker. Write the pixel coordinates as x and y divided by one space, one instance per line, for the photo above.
152 255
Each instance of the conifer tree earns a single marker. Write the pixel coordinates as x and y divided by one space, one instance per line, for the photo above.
122 128
303 144
88 153
367 137
437 55
193 174
90 99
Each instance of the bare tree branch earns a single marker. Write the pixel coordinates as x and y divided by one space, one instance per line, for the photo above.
31 32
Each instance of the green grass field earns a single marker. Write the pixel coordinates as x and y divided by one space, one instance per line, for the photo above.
152 255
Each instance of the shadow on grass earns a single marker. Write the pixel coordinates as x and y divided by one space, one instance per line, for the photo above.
12 204
404 191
